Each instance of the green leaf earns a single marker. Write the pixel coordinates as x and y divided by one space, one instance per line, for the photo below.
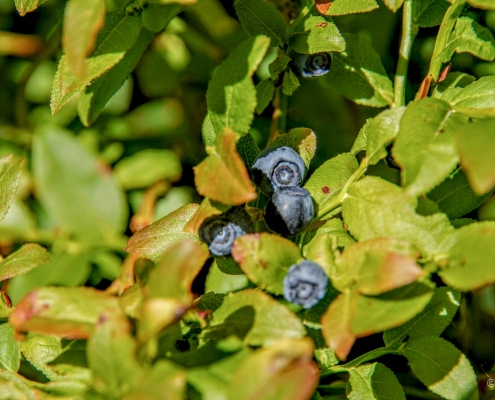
290 83
63 269
469 264
316 34
483 4
432 321
83 19
377 134
208 132
66 312
266 259
476 143
96 95
154 240
231 95
425 147
264 94
454 80
219 282
259 17
10 351
469 37
209 301
358 73
25 6
156 16
327 181
13 387
375 208
163 377
455 197
112 356
373 382
344 7
229 266
255 318
277 66
10 174
283 371
23 260
479 94
428 13
302 140
441 367
222 175
77 191
117 36
146 167
248 150
393 5
393 308
40 350
211 381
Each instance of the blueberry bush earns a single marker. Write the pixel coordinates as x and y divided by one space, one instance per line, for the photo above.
249 199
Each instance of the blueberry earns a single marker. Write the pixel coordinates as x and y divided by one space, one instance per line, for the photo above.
289 211
310 65
220 231
278 167
305 284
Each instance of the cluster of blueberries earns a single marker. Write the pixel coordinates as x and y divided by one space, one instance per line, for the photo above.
278 173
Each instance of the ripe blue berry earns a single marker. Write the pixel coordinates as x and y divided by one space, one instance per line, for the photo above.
305 284
311 65
220 231
277 168
289 211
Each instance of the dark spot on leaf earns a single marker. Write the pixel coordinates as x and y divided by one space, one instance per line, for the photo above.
263 264
321 25
441 131
102 319
325 189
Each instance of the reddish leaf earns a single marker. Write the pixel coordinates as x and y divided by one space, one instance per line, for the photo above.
336 324
222 176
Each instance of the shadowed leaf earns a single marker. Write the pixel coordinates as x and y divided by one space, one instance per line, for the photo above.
441 367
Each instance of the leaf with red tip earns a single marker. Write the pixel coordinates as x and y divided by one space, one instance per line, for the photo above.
67 312
283 371
336 324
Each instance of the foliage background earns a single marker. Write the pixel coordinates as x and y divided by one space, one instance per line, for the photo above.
85 190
